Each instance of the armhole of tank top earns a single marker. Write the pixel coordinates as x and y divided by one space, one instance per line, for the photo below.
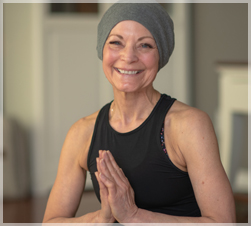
94 135
91 144
161 142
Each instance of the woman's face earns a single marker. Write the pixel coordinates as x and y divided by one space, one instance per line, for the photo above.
130 57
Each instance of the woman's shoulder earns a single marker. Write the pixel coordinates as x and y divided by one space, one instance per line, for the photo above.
183 113
84 126
187 128
185 120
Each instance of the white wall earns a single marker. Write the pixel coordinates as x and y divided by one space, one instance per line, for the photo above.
17 20
220 34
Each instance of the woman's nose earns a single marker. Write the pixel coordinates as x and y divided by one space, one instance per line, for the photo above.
129 54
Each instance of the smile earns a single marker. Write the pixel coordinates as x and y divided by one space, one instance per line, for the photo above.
128 72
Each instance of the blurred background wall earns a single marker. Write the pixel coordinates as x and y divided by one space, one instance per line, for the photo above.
52 77
220 34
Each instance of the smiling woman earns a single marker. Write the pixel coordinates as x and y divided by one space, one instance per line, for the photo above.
130 59
151 158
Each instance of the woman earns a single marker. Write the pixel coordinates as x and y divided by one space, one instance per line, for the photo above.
151 157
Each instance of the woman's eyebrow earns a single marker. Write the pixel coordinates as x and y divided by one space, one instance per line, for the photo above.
119 36
141 38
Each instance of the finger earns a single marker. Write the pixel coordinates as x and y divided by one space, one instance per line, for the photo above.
104 169
109 184
101 153
99 167
102 187
99 159
108 180
105 207
113 167
97 162
111 170
101 156
111 158
103 190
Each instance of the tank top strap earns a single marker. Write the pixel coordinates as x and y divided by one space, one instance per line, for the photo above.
161 109
98 124
103 113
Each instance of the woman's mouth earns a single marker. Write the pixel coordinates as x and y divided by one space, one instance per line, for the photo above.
125 72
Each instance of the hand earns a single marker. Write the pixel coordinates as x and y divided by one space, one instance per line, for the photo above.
120 193
105 214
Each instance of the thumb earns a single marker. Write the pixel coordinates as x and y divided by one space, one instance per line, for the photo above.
103 189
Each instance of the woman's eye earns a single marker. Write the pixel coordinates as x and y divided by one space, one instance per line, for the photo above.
115 43
145 45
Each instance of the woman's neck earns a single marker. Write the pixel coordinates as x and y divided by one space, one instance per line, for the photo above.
131 109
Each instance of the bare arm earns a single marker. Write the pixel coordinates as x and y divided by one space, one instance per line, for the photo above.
198 144
67 190
210 183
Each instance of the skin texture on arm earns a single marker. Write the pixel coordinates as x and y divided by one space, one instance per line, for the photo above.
197 144
67 190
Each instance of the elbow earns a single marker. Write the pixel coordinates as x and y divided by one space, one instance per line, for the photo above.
45 220
226 218
230 219
48 220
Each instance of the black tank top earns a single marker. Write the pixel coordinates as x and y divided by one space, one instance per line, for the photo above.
159 186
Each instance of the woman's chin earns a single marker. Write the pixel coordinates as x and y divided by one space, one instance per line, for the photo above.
126 89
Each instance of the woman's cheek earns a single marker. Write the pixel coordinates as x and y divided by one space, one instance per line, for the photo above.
110 55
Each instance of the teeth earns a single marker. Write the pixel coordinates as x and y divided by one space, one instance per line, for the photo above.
128 72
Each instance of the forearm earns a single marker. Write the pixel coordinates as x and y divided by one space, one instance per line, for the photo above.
145 216
93 217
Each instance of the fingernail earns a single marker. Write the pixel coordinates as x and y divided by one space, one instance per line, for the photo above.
102 163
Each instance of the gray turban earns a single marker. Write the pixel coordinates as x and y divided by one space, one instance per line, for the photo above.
151 15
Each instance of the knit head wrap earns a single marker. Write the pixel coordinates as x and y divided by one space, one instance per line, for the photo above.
151 15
